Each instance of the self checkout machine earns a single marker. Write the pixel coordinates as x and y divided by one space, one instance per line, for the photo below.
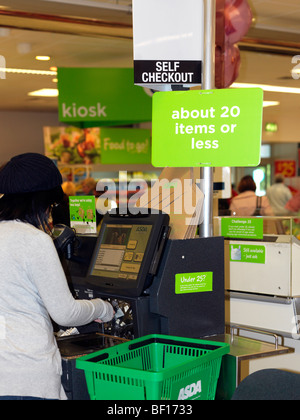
157 285
262 280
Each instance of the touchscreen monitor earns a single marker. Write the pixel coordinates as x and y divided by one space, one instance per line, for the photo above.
127 253
121 251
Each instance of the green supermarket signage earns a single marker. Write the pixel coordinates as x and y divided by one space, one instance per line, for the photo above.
101 97
248 253
125 145
193 282
207 128
242 227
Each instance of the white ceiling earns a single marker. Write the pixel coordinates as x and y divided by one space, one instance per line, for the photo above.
89 33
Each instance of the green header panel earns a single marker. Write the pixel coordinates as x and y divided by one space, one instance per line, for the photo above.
212 128
103 97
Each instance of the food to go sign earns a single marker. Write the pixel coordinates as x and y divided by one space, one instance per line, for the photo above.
207 128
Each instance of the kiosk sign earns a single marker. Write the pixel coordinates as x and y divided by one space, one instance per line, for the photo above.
213 128
168 43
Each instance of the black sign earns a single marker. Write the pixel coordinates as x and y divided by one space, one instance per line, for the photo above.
167 72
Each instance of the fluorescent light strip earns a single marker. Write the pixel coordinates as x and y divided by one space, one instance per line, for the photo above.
46 93
26 71
267 88
271 103
98 4
43 58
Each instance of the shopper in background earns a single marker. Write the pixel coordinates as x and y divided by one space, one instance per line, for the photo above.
33 284
89 186
278 195
245 203
293 205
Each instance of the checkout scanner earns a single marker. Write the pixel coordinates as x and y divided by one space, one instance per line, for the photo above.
133 264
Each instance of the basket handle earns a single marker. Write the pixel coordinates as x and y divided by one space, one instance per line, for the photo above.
99 358
160 340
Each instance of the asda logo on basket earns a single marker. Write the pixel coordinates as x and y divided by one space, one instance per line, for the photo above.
73 111
190 391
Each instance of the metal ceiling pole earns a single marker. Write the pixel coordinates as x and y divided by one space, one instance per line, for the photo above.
206 174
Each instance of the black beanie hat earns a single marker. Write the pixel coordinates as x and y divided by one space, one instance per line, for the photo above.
29 172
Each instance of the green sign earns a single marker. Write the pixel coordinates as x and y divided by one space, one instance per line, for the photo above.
83 214
207 128
193 282
119 145
248 253
242 228
101 97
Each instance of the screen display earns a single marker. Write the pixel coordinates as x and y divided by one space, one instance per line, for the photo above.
121 251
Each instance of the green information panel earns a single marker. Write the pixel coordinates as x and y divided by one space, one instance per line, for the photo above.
193 282
248 253
119 145
242 228
207 128
83 214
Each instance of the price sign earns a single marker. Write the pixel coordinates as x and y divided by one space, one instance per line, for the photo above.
286 167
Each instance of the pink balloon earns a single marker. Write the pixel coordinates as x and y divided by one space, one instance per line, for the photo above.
232 64
238 19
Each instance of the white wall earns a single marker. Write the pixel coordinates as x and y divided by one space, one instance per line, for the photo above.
22 132
285 151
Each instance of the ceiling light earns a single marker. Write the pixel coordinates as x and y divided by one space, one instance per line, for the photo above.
267 88
271 103
42 58
47 93
28 71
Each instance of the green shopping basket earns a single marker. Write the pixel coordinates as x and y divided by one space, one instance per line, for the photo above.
155 367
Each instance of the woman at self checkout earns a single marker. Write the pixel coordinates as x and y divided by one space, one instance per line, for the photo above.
33 284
